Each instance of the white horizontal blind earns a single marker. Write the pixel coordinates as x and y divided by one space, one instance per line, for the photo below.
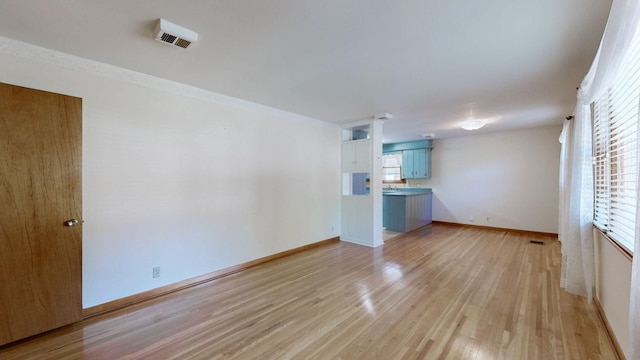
601 163
391 173
615 152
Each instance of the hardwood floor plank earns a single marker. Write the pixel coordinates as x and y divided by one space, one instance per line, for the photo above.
444 292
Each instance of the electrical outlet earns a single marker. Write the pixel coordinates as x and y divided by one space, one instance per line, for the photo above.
156 272
487 219
471 218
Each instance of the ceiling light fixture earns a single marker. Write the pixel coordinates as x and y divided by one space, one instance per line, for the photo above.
473 124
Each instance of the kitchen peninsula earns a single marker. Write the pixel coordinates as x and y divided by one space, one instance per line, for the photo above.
406 209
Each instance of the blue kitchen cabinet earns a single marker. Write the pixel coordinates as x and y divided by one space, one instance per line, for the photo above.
404 211
407 164
416 158
416 164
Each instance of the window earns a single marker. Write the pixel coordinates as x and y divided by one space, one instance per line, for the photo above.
615 125
391 174
392 169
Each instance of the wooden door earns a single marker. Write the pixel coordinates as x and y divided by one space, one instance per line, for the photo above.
40 189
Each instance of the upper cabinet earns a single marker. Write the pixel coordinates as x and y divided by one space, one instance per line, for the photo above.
416 164
356 155
416 158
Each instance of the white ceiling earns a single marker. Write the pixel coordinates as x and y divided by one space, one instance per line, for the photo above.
428 62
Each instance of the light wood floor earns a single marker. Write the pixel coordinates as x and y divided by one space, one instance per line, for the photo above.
386 234
446 293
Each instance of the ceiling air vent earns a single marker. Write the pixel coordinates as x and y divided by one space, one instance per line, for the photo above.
172 34
383 116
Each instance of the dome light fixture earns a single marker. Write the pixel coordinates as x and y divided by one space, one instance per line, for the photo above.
473 124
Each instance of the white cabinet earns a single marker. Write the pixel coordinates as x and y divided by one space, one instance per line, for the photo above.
356 155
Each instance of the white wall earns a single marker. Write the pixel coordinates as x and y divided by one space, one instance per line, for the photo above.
509 178
183 179
613 288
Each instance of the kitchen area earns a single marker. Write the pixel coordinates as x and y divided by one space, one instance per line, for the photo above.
406 207
382 185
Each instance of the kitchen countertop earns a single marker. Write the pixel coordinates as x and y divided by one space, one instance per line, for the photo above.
407 192
402 193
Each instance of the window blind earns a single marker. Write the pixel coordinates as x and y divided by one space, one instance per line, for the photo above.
615 125
601 161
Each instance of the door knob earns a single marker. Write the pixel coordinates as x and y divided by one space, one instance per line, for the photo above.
72 222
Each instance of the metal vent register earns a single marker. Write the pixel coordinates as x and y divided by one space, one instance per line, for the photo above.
172 34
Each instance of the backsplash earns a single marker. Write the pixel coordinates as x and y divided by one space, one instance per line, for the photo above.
417 183
411 183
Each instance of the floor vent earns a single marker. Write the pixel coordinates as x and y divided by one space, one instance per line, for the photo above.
537 242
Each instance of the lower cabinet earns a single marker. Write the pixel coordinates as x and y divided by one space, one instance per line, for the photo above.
406 212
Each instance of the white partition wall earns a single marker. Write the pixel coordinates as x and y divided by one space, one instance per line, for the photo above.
362 183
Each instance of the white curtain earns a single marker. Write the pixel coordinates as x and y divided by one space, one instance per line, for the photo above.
577 245
621 26
576 205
